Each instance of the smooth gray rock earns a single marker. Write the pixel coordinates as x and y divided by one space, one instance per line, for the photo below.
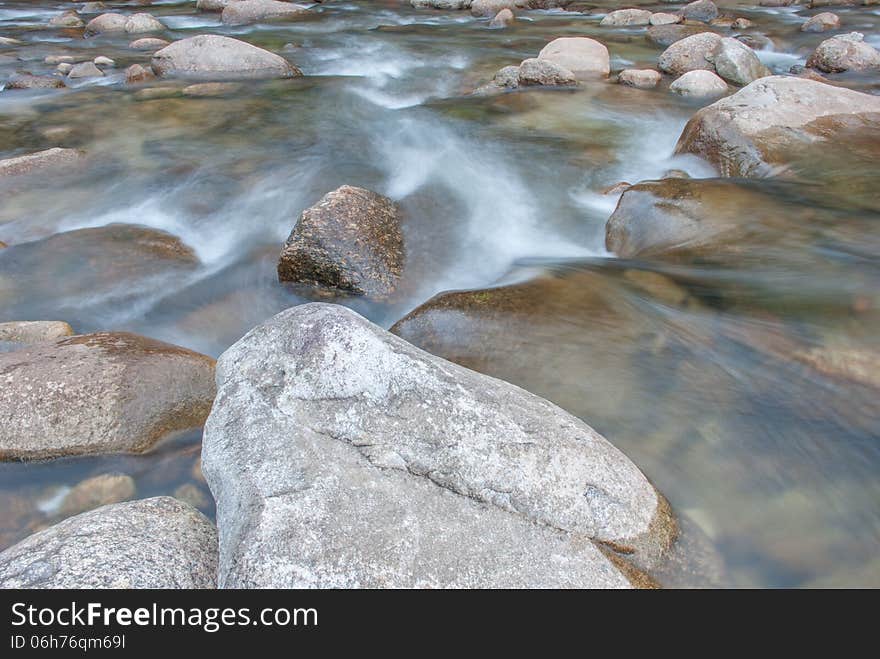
737 63
217 57
341 456
152 543
98 393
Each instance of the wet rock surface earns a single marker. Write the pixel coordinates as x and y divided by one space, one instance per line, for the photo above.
351 241
104 392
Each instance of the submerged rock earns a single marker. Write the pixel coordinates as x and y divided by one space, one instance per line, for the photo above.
690 54
244 12
585 57
684 217
845 52
755 129
341 456
699 84
351 240
28 81
41 161
217 57
99 393
109 265
101 490
152 543
34 331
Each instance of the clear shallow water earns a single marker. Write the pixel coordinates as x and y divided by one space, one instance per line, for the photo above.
773 462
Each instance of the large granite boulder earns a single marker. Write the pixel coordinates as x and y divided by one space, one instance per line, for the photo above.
151 543
752 132
342 456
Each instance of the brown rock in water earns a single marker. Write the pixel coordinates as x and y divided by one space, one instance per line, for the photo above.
95 492
28 81
108 262
753 131
34 331
99 393
504 18
351 240
40 161
845 52
576 324
683 217
136 74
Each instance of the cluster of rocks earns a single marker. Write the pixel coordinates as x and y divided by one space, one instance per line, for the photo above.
751 133
562 62
211 57
354 439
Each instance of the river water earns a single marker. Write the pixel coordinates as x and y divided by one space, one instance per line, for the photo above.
773 465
